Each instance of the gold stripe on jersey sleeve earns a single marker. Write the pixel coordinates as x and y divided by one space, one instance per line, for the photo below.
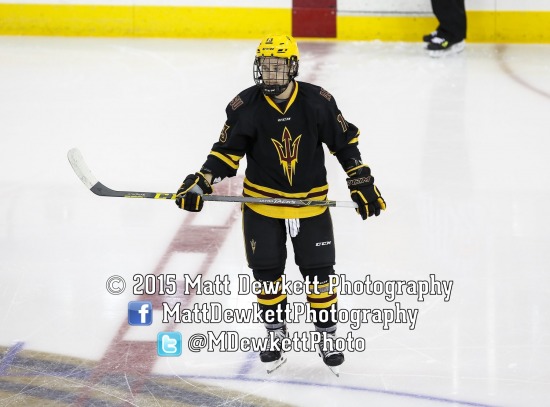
353 171
356 138
229 159
355 168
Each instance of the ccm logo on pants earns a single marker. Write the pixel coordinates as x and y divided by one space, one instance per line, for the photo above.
323 243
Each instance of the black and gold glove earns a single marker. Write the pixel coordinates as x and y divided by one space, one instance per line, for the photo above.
363 191
189 195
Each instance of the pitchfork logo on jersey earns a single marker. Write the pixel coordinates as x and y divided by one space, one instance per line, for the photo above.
253 246
288 153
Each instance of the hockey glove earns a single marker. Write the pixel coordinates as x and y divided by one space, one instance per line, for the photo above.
364 193
189 195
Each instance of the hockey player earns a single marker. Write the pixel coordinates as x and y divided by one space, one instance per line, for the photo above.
280 125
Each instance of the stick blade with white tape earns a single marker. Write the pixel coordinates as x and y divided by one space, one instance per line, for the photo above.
84 173
80 168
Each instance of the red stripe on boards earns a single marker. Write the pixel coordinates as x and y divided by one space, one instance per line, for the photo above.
314 18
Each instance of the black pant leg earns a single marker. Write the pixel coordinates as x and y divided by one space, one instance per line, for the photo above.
315 255
314 245
264 240
451 15
265 243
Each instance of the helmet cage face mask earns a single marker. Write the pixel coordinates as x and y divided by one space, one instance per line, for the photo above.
273 74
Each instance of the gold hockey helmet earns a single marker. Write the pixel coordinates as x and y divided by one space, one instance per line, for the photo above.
280 46
276 63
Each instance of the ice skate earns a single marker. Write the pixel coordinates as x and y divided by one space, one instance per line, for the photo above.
273 357
439 46
331 357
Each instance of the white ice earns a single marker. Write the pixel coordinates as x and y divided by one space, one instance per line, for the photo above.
459 147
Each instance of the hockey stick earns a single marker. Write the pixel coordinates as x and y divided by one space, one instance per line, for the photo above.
83 172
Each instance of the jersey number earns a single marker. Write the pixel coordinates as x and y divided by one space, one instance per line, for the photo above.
223 134
342 122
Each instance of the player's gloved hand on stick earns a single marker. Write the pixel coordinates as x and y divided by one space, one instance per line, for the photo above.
189 195
364 193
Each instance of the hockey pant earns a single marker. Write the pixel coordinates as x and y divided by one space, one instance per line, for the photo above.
314 253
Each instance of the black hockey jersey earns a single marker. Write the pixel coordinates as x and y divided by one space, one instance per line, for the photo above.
283 146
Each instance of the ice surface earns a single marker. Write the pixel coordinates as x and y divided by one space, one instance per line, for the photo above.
458 146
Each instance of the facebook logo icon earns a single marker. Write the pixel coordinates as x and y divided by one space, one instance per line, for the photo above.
140 313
